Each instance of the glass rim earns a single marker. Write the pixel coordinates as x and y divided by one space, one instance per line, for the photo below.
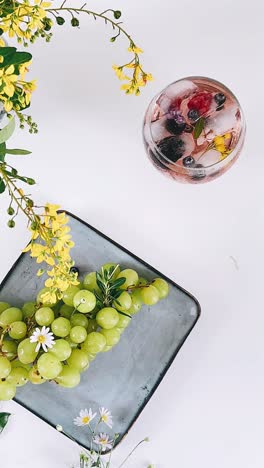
230 156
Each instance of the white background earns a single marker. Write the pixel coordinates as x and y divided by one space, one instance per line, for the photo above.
89 157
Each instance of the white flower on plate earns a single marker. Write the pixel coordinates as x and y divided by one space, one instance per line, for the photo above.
106 417
44 338
86 416
103 440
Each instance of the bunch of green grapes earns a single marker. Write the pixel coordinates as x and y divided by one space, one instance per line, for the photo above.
89 320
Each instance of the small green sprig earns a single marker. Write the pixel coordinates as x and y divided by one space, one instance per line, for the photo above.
109 286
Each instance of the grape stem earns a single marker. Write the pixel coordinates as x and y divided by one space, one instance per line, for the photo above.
140 286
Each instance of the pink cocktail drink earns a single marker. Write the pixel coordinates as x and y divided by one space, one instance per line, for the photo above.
194 130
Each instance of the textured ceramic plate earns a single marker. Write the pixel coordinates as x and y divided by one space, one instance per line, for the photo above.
125 378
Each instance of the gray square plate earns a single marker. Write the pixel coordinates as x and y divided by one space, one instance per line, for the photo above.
125 378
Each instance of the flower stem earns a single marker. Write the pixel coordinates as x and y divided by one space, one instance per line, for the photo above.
131 453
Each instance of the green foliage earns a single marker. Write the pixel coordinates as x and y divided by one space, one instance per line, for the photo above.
3 420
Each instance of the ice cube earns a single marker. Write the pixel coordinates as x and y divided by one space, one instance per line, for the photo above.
223 120
189 144
158 129
164 103
210 157
180 88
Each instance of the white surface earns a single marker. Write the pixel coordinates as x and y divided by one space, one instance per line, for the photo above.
89 157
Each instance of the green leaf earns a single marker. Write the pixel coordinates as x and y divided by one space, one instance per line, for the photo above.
2 185
5 51
199 126
3 420
123 313
119 282
17 58
7 131
17 151
2 152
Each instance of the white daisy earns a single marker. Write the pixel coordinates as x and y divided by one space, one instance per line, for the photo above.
106 416
43 338
103 440
86 416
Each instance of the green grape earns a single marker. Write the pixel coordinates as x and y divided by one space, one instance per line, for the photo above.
5 367
120 330
136 302
142 281
84 301
26 351
39 299
69 294
79 319
9 348
123 321
78 360
69 377
150 295
107 348
123 302
17 363
107 318
111 336
44 316
28 309
18 377
34 376
90 283
162 286
86 367
61 350
8 316
4 306
131 277
91 356
72 345
66 311
18 330
94 343
7 391
78 334
107 266
49 366
92 326
61 327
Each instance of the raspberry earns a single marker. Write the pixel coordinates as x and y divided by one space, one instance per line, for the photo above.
201 102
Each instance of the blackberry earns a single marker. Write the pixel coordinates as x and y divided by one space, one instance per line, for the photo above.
189 161
193 115
220 98
176 127
172 148
74 270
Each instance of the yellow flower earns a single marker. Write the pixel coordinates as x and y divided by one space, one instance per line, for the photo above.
52 228
135 49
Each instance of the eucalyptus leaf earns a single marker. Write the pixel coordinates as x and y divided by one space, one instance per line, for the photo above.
3 420
21 152
8 130
2 186
199 126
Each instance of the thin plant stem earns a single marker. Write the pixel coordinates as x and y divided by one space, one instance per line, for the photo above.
131 453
